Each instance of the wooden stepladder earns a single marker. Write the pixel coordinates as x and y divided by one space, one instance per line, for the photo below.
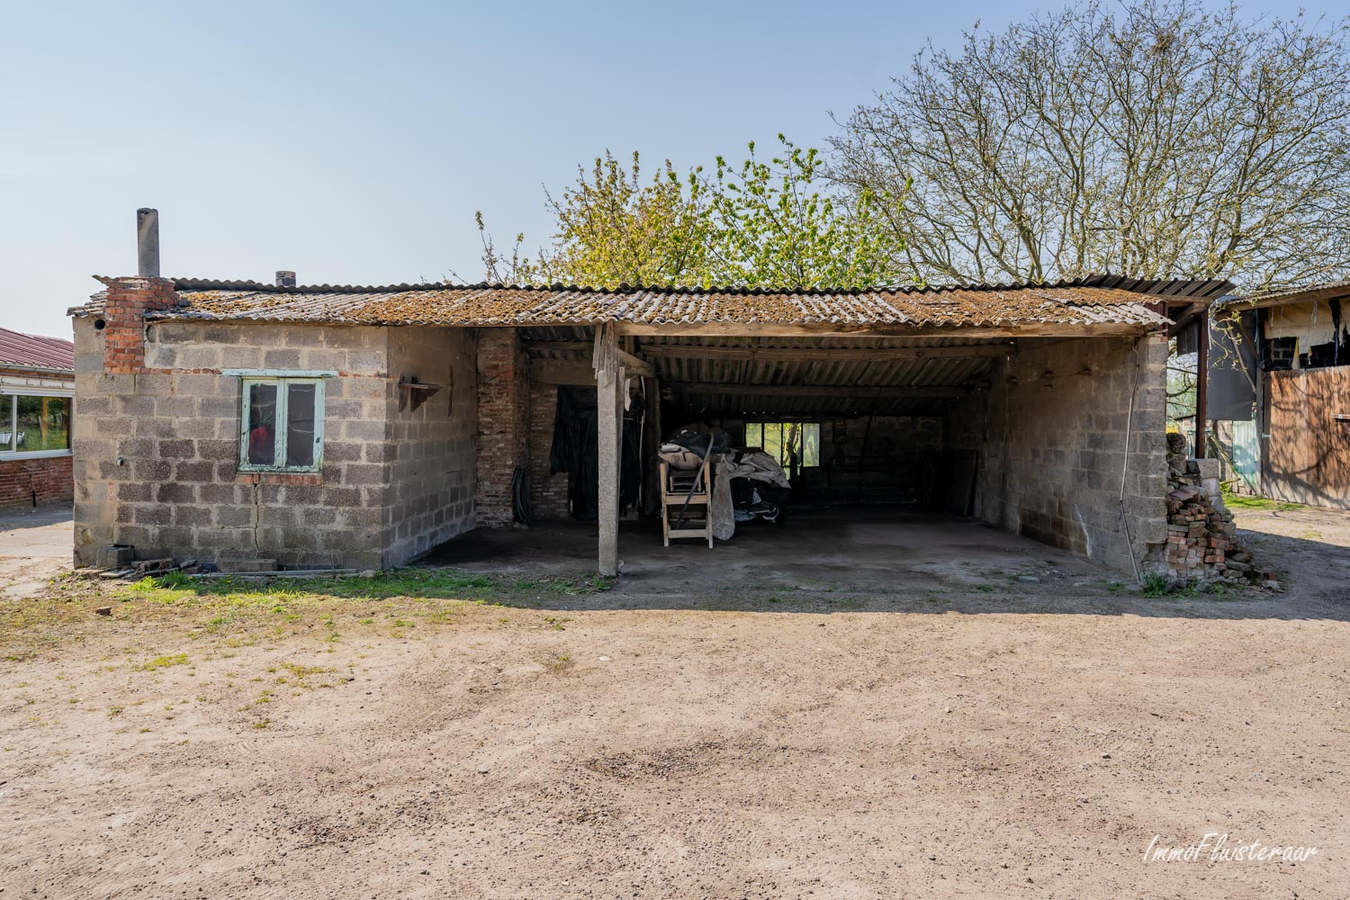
686 502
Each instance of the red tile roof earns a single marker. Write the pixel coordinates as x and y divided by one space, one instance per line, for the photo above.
18 349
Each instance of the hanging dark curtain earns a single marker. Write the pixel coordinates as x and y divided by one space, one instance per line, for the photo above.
630 469
576 451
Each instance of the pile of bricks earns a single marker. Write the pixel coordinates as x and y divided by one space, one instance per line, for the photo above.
1201 535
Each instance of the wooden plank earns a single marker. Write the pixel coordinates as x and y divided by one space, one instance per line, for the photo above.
880 392
1202 386
792 354
739 329
549 368
560 347
1306 457
635 366
562 372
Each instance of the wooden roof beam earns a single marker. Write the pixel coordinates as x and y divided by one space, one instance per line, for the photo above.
852 392
774 354
1006 332
633 364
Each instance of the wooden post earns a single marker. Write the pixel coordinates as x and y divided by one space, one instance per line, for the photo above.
1201 383
609 420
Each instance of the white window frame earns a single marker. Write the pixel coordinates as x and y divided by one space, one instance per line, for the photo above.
282 382
9 421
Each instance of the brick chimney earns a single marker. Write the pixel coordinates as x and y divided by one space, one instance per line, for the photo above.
129 299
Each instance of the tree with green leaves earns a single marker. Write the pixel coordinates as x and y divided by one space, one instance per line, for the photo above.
759 223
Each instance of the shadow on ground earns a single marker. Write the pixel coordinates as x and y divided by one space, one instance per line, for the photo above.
875 560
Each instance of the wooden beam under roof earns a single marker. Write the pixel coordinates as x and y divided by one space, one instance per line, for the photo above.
632 364
586 347
852 392
995 332
790 354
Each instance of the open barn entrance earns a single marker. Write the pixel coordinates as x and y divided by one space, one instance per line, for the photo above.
851 421
1041 435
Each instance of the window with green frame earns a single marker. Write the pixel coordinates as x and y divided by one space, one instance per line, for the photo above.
281 425
796 445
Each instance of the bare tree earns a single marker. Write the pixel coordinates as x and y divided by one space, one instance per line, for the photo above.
1154 139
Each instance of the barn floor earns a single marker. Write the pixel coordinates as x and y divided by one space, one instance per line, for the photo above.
852 548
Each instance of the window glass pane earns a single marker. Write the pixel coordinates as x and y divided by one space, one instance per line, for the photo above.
811 444
300 425
754 434
262 424
773 440
6 423
43 424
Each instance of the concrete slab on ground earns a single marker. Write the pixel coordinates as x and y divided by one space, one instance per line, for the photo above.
860 548
35 546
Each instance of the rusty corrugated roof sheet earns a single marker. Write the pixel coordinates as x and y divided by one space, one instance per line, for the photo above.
1067 303
35 351
1326 291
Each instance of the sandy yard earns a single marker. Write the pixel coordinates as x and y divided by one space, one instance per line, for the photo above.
35 546
438 733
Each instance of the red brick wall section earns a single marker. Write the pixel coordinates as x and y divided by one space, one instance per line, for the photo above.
124 314
548 493
23 480
503 422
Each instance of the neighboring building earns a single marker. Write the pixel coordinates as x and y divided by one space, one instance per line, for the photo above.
37 389
1293 349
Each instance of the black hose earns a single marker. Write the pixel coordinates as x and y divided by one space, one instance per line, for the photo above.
520 496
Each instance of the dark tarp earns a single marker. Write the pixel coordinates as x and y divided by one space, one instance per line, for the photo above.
576 451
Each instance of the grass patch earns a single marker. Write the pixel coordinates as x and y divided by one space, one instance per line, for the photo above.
239 611
1242 501
163 662
279 595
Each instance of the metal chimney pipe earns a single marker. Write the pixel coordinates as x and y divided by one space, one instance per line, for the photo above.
147 242
285 278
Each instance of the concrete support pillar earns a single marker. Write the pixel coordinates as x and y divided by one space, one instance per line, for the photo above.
609 416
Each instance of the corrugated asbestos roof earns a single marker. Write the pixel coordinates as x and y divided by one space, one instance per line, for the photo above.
35 351
1325 291
1067 303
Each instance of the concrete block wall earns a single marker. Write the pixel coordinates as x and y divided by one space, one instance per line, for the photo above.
156 441
548 493
503 422
430 450
157 450
1051 435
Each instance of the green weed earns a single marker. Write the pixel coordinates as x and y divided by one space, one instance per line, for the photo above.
163 662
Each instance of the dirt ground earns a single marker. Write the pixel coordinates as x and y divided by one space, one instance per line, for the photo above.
35 546
963 732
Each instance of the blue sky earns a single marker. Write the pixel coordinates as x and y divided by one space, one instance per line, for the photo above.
353 142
